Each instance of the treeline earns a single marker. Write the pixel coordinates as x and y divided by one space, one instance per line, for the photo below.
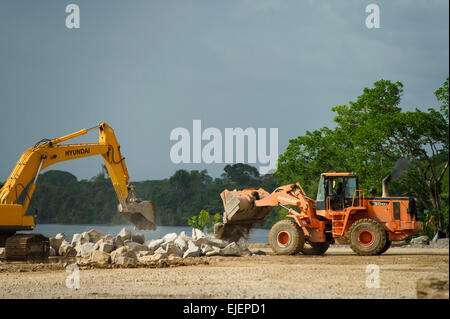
370 135
61 198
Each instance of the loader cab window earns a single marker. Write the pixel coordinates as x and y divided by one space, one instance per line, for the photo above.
321 191
350 186
336 193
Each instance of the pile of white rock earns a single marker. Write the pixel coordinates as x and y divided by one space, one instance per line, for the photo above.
128 249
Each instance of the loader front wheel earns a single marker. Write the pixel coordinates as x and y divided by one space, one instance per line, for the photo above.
367 237
286 238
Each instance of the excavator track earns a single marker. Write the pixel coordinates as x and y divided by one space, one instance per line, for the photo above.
27 247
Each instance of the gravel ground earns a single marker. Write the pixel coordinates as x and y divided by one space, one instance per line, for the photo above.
338 274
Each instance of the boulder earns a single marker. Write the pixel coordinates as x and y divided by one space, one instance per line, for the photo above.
232 249
138 238
85 237
173 250
161 251
66 250
205 248
432 288
55 243
51 251
85 250
180 243
136 247
94 236
184 236
2 252
155 244
143 253
125 234
125 261
440 243
97 244
152 258
100 257
78 239
214 252
216 242
170 237
197 234
61 236
130 244
192 250
122 252
118 242
420 241
106 246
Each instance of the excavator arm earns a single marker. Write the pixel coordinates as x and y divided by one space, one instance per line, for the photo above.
49 152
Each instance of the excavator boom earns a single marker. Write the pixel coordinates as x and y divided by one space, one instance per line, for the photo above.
49 152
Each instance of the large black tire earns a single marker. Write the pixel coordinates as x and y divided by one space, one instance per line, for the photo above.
315 248
367 237
286 238
386 246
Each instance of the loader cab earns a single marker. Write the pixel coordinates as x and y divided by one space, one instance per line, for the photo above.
336 191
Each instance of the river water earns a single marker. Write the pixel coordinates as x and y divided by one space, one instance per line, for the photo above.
50 230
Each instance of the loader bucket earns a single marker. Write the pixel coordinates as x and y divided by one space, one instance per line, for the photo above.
142 214
241 213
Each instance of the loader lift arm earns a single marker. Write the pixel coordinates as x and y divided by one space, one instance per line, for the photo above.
49 152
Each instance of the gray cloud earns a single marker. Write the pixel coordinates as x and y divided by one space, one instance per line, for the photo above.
147 67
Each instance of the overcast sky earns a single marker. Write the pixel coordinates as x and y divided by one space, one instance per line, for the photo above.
147 67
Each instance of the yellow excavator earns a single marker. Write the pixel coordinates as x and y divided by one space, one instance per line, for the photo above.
16 193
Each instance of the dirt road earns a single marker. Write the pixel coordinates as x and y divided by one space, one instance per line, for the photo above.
338 274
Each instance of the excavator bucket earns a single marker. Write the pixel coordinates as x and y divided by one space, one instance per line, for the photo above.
142 214
241 213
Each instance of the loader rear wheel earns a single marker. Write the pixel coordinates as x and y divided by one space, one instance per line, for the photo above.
286 238
315 248
386 246
367 237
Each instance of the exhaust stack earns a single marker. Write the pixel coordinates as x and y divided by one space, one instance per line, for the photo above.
384 186
399 166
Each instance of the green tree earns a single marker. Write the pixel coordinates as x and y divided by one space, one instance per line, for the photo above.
203 220
370 135
240 173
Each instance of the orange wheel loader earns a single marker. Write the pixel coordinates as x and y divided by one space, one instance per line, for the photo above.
23 179
340 213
